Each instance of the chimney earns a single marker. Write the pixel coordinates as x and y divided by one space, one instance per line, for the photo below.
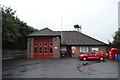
78 28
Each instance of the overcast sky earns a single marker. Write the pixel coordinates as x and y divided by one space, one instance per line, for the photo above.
99 18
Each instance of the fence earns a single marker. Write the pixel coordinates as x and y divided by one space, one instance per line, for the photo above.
12 54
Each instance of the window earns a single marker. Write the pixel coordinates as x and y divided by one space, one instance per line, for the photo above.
92 52
95 49
50 44
35 44
97 52
45 44
40 44
45 47
35 50
83 49
63 48
40 49
51 50
45 50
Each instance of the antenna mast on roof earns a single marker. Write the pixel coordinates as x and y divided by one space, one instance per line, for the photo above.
61 31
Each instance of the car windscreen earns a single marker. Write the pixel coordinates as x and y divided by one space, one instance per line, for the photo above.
63 48
94 52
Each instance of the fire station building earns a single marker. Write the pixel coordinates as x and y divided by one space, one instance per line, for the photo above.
46 43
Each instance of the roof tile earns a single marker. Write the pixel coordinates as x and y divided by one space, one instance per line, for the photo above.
69 37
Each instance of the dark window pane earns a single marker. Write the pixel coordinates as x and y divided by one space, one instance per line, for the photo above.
51 50
97 52
35 50
35 44
45 50
40 49
45 44
50 44
40 44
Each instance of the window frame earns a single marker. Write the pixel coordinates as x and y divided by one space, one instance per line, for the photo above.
84 49
35 44
45 48
40 50
50 48
35 50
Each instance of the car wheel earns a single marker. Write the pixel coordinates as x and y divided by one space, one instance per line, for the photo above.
84 58
101 58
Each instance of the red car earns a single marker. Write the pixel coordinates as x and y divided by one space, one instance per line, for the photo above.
63 51
92 55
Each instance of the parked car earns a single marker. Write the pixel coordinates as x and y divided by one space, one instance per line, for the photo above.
92 55
63 51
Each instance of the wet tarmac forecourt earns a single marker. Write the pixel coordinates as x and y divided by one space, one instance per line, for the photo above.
59 68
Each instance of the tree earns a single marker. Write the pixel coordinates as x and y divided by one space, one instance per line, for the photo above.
116 41
14 30
110 44
10 25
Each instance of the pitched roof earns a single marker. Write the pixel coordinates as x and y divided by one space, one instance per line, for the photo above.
69 37
78 38
43 32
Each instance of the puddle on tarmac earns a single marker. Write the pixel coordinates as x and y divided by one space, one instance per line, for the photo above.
85 64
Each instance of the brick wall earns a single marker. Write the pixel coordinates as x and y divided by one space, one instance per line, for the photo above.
30 48
76 50
56 48
101 48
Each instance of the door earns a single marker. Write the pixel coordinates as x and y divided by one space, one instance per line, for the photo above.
36 45
40 49
47 48
43 48
50 49
91 55
46 52
97 55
